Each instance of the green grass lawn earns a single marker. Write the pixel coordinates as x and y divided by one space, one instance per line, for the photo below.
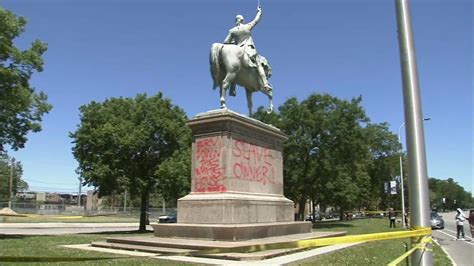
37 250
371 253
47 249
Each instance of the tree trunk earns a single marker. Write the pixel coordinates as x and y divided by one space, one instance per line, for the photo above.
301 205
143 211
341 214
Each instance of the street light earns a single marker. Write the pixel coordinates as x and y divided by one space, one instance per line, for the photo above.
401 171
10 187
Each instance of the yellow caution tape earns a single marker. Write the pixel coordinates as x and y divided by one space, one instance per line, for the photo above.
53 216
422 245
310 243
12 215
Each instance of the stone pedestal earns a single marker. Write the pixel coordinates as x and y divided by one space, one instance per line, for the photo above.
237 180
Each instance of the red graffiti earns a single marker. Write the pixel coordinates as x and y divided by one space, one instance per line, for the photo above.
253 163
207 170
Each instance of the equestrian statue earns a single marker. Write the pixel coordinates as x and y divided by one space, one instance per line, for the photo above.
236 62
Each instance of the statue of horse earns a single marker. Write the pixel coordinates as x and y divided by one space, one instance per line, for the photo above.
229 67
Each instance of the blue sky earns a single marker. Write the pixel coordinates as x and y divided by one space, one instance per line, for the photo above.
110 48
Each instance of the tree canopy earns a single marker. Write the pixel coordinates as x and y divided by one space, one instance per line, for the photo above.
333 153
139 144
21 108
453 194
14 168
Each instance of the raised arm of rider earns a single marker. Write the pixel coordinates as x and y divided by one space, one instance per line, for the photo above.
256 19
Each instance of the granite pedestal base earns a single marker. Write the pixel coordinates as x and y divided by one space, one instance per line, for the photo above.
236 182
229 232
234 208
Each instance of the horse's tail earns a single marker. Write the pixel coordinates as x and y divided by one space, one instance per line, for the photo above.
215 64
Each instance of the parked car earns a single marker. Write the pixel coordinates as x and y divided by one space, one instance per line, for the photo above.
437 221
167 219
329 216
310 217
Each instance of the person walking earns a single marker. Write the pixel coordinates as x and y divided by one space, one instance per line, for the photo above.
460 218
392 217
471 221
405 216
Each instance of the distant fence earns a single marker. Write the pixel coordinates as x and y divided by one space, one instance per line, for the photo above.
68 209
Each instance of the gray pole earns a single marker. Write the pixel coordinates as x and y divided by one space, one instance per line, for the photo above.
125 201
79 194
11 185
164 207
402 188
417 172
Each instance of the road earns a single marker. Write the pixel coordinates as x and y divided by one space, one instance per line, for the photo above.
64 228
460 251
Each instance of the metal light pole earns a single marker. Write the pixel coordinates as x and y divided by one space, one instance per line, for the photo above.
401 175
418 181
401 171
10 195
79 193
125 201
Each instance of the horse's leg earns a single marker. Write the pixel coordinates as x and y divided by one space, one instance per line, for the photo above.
222 98
249 100
230 77
270 99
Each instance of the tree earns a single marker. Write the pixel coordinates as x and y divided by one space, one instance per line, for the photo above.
7 169
174 175
136 144
293 119
326 155
343 154
334 155
454 195
21 108
384 153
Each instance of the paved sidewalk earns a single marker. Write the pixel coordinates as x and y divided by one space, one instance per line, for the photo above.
281 260
64 225
64 228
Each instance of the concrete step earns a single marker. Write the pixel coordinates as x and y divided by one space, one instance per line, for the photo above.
143 248
187 244
199 244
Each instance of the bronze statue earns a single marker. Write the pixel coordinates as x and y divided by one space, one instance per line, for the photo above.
236 62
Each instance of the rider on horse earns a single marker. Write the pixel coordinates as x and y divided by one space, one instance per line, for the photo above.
241 35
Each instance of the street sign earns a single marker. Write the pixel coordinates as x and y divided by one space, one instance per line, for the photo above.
393 187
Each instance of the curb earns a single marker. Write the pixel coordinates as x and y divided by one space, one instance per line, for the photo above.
445 252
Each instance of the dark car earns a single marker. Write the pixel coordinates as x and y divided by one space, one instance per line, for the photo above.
437 221
329 216
310 217
167 219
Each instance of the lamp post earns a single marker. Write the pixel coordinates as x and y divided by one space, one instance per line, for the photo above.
401 175
79 194
402 188
10 187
